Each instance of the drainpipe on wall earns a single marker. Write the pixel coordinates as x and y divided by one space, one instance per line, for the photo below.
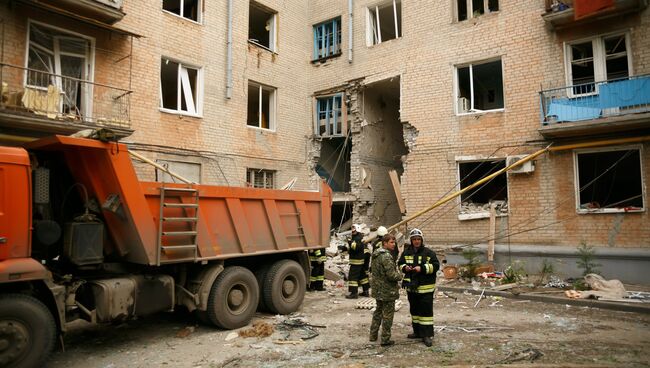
229 57
350 31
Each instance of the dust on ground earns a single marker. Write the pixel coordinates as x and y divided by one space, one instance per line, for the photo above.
496 331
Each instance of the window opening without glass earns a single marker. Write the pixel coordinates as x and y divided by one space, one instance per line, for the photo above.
384 22
179 87
599 59
261 106
329 116
480 87
262 26
327 39
260 178
466 9
189 9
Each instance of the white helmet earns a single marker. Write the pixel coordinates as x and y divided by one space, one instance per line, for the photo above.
416 232
381 231
355 227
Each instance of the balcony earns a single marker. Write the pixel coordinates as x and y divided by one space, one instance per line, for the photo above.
104 11
44 103
593 108
561 13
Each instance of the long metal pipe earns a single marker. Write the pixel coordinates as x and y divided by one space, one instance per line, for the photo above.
229 53
350 15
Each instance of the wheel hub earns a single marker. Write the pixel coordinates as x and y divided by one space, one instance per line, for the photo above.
14 341
288 287
235 298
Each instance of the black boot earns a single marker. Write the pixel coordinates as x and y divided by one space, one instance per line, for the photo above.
365 293
415 334
427 341
352 296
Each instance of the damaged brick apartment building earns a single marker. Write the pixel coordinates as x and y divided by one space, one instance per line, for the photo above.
394 103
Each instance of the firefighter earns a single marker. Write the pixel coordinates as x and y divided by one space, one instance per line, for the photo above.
356 275
419 265
317 258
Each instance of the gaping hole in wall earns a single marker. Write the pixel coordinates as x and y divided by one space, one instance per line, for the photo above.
610 181
479 199
341 215
185 8
261 26
334 163
385 21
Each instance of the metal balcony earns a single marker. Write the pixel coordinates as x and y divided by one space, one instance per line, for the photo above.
598 107
38 101
560 13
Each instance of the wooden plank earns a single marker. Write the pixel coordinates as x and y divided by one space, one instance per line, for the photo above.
276 225
491 232
397 188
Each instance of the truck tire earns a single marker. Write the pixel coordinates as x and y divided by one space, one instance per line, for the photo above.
27 331
233 298
284 287
260 275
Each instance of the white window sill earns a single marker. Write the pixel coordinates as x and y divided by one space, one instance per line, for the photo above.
478 216
262 130
181 113
481 112
262 47
183 18
600 211
477 17
383 42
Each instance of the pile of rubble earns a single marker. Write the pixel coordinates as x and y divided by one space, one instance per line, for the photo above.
501 207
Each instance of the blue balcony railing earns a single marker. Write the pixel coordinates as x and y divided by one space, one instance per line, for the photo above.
595 100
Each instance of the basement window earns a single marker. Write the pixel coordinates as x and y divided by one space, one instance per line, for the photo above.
261 106
188 9
479 87
329 116
475 203
609 181
260 178
384 22
262 26
180 88
327 39
188 170
466 9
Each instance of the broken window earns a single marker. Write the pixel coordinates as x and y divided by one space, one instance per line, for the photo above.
466 9
478 200
259 178
334 163
329 116
480 87
384 22
598 59
188 170
189 9
63 60
262 26
179 87
327 39
609 181
261 106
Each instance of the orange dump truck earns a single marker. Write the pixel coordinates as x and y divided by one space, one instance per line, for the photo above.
82 238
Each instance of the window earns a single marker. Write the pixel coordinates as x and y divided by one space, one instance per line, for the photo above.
384 22
258 178
475 203
466 9
327 39
63 60
609 181
329 116
479 87
179 87
189 170
262 26
599 59
189 9
261 106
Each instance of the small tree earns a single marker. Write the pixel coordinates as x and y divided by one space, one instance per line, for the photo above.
515 272
546 270
471 254
587 259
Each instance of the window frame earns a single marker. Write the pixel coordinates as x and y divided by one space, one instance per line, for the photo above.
370 30
343 115
199 6
483 214
255 171
337 36
272 107
457 96
198 105
161 174
470 14
273 32
576 179
599 59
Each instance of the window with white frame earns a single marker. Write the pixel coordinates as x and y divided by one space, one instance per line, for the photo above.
384 22
598 59
260 178
180 87
327 39
262 26
63 60
479 87
329 116
261 106
466 9
189 9
609 180
188 170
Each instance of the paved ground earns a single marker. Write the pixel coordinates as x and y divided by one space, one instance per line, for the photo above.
485 335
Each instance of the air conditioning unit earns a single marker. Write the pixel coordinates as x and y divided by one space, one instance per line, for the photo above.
525 168
463 105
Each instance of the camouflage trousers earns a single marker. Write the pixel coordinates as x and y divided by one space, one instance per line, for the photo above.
383 316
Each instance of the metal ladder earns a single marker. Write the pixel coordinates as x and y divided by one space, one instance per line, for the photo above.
190 218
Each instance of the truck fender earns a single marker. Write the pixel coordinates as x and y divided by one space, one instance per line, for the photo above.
202 285
22 269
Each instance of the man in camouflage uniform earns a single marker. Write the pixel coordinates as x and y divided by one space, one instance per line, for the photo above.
385 290
317 258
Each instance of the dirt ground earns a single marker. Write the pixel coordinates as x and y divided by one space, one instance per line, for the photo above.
485 335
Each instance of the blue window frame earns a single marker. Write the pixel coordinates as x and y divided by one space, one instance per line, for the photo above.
329 116
327 39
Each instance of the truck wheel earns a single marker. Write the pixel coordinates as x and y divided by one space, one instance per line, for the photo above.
233 298
260 275
284 287
27 331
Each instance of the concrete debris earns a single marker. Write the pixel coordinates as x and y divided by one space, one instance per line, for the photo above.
600 289
470 207
259 329
555 282
529 354
231 336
